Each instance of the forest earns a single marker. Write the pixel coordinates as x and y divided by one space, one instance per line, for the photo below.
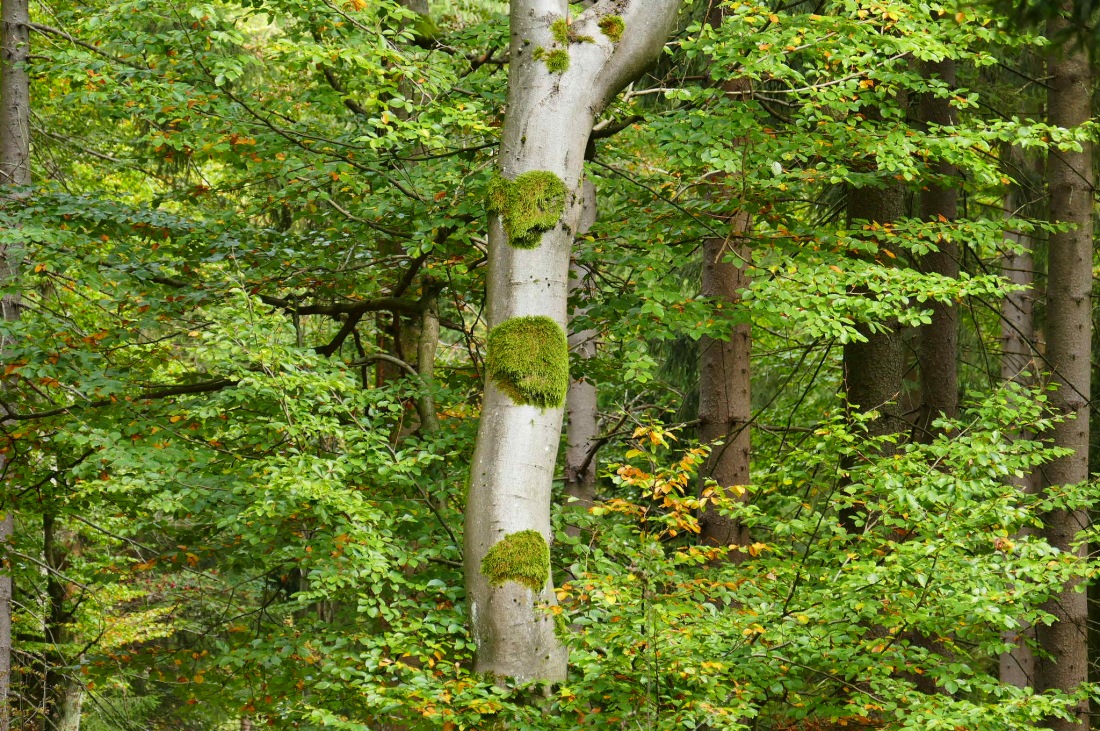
394 365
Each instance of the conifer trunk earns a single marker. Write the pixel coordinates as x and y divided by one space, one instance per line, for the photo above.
725 366
1017 357
873 369
1069 343
14 171
939 340
561 75
725 391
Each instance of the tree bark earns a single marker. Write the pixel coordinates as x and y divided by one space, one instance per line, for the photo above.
581 405
556 88
939 340
1017 357
15 128
426 346
725 366
725 391
1069 343
14 171
873 370
64 696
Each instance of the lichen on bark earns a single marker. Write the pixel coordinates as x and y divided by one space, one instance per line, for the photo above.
522 557
528 206
528 359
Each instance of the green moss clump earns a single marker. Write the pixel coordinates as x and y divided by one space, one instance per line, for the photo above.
557 61
612 26
528 359
522 557
538 53
528 205
560 30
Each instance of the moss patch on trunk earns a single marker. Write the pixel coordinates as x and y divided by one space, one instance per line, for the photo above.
528 206
612 26
522 557
528 359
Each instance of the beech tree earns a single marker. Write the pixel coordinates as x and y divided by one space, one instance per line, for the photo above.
563 72
14 172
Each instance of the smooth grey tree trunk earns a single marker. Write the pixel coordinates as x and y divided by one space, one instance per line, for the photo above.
1069 347
14 171
1017 358
939 340
581 405
549 118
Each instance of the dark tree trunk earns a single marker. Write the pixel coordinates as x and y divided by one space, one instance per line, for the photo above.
725 405
725 367
873 370
939 340
63 694
1069 343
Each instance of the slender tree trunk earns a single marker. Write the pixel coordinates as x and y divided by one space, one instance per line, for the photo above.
873 369
725 391
1069 343
1018 357
581 401
64 696
15 105
556 87
939 340
426 346
725 366
14 171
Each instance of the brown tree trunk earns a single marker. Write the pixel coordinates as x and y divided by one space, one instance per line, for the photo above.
939 340
1018 357
63 694
14 171
581 401
725 392
873 369
1069 344
725 366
